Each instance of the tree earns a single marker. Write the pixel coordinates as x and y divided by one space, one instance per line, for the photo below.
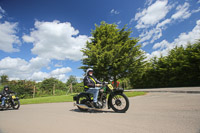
72 80
4 79
49 85
111 52
23 88
181 67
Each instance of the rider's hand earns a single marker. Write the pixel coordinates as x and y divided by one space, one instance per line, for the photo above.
98 85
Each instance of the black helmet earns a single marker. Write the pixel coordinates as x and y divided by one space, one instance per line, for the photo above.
6 86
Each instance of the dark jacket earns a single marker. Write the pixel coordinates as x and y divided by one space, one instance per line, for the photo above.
5 92
90 81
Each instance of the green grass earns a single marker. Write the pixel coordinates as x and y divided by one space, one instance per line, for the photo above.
64 98
133 94
50 99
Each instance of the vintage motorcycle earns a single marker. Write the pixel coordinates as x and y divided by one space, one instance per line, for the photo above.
114 98
11 101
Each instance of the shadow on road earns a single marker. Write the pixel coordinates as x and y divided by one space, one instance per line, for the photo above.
92 111
8 110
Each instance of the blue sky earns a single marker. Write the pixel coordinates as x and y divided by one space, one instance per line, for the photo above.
43 38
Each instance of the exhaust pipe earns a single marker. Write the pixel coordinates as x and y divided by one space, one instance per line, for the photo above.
83 106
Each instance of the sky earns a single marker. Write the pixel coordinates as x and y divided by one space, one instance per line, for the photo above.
42 38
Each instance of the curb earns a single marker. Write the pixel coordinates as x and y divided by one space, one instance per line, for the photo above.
191 92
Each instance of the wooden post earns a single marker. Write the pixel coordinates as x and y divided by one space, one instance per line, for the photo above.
71 88
54 86
34 92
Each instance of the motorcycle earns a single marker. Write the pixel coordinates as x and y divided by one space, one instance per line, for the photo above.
114 98
11 101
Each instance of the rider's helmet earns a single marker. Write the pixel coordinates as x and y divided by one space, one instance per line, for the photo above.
89 70
6 86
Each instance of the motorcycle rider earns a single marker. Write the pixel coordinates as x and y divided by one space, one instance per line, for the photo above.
92 85
5 92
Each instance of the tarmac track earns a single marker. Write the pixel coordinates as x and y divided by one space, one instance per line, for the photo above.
156 112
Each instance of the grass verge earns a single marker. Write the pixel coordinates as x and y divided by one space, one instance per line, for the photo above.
65 98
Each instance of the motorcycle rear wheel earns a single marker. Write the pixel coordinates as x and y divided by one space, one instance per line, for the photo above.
119 103
82 99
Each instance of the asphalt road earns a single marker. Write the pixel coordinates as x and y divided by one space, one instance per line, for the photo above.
156 112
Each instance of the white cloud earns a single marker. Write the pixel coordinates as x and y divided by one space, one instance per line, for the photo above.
152 30
183 39
153 34
59 71
191 36
152 15
19 69
38 62
1 12
149 21
58 65
59 74
119 22
148 2
113 11
195 11
8 37
158 53
39 76
28 38
15 63
55 40
182 12
163 23
161 45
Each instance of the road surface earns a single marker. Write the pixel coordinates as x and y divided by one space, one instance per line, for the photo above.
155 112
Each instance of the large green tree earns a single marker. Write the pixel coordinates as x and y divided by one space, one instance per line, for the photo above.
111 52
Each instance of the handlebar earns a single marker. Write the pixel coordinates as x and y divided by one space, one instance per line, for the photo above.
105 83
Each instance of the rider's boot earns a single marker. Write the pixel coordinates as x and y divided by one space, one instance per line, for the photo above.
96 105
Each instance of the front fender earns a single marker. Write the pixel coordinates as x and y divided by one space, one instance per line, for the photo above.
118 90
16 99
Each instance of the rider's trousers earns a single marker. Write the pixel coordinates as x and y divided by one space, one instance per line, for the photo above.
3 101
95 92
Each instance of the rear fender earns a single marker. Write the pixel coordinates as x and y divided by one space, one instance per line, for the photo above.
81 94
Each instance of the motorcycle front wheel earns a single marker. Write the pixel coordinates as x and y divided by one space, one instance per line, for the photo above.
16 104
119 103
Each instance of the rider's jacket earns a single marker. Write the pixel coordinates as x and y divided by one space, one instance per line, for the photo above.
5 92
89 82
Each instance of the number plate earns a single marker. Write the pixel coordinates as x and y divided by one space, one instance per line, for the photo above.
13 97
110 86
